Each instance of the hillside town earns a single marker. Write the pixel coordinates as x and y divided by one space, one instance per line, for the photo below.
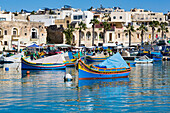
111 25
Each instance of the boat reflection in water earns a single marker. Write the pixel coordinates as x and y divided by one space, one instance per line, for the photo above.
103 82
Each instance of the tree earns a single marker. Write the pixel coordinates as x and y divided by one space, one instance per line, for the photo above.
93 22
129 30
143 29
51 12
82 26
163 29
33 12
90 9
106 26
153 24
69 34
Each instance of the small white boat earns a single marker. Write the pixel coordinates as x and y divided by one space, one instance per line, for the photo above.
12 59
143 60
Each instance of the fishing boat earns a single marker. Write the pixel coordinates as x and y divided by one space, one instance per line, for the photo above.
96 58
113 67
11 59
143 60
157 56
47 63
69 59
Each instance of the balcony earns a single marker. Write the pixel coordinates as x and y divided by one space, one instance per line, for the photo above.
34 38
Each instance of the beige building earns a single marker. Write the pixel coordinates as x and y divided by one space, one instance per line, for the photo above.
21 33
63 22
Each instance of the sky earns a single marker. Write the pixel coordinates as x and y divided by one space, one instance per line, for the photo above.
30 5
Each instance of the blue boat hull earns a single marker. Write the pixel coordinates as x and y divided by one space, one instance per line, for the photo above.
157 58
25 65
83 75
29 67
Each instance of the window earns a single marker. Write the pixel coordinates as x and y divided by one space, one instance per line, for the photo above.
25 34
58 13
15 31
118 35
2 19
126 35
0 32
110 36
34 33
68 23
5 32
114 17
160 19
5 43
79 17
42 34
86 16
120 17
75 17
137 35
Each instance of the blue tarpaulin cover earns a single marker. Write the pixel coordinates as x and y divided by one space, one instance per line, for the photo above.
70 55
34 45
115 61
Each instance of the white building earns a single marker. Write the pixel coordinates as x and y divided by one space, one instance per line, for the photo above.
8 16
123 17
85 16
47 19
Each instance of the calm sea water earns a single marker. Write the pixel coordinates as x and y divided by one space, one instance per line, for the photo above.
146 90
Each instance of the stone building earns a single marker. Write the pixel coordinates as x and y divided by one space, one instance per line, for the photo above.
15 33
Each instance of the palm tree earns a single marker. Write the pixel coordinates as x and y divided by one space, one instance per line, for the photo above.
129 30
93 22
143 29
68 34
153 24
106 26
163 29
82 26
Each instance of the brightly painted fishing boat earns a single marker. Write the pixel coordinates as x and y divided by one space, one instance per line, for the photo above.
157 56
69 59
70 63
49 63
96 59
113 67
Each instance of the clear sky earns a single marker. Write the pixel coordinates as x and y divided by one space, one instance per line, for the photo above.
153 5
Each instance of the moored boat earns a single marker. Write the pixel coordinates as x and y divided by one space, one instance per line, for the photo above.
113 67
48 63
157 56
96 58
69 59
143 60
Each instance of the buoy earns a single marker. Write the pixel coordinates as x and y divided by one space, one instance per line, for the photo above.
28 72
6 69
68 77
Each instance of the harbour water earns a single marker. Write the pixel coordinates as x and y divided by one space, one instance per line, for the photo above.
146 90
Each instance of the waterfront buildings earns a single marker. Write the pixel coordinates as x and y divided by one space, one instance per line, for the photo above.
16 30
61 19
